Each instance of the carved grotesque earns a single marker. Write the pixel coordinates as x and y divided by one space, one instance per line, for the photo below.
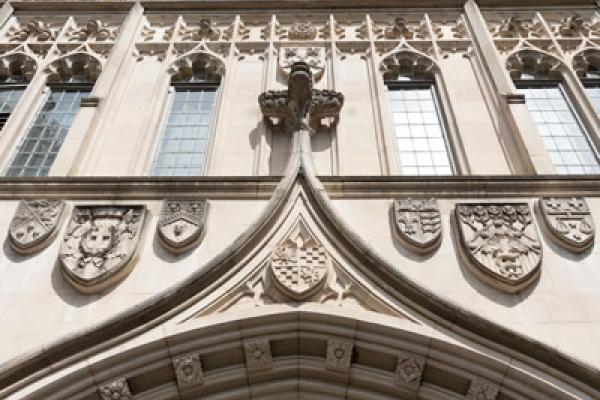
34 224
35 29
418 223
339 355
409 369
569 220
300 104
181 223
99 245
501 243
302 31
313 56
188 371
118 390
258 355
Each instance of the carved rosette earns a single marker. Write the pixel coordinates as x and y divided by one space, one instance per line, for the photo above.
99 245
117 390
501 243
409 369
418 223
188 371
482 390
34 224
569 220
339 355
258 355
181 224
314 57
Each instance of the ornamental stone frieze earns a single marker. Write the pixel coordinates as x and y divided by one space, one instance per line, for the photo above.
100 244
117 390
181 224
417 223
34 224
188 371
569 221
302 31
501 243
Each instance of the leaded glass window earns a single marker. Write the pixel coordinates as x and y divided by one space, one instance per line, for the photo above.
181 150
420 136
39 147
563 136
9 96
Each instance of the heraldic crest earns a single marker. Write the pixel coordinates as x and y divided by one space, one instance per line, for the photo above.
418 223
300 264
181 223
569 220
99 245
501 242
34 224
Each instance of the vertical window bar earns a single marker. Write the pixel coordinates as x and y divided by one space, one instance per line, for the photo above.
420 136
181 150
38 149
562 133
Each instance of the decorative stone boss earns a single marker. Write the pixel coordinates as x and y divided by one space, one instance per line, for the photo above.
301 107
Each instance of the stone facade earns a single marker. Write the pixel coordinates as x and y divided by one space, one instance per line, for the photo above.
390 200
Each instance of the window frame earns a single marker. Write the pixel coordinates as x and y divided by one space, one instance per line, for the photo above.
432 85
23 86
163 123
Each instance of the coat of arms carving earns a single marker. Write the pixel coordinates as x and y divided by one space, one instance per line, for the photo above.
569 220
300 264
314 57
501 242
181 223
99 245
418 223
34 224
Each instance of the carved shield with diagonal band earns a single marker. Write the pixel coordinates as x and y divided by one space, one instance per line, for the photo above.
501 242
34 223
569 220
181 223
418 222
99 245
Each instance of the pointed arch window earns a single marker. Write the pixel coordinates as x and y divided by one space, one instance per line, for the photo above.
183 143
419 131
537 77
16 71
69 80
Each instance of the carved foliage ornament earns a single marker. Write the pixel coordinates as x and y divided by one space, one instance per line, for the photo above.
407 63
409 369
570 221
207 30
34 223
99 245
400 28
501 242
532 63
34 29
94 29
76 67
196 67
188 371
181 223
314 57
118 390
418 222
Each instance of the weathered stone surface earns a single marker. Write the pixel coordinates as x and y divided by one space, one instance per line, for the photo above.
34 224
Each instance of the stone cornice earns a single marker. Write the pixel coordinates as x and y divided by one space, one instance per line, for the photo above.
217 187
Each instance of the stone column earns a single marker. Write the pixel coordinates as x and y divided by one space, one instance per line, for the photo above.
518 133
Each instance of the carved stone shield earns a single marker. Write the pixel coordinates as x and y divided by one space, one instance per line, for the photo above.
299 269
34 224
569 220
313 56
501 243
99 245
418 223
181 223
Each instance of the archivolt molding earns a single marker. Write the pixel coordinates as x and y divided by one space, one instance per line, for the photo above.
406 62
540 62
75 66
197 66
17 67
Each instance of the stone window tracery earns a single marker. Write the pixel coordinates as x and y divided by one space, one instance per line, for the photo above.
419 131
16 70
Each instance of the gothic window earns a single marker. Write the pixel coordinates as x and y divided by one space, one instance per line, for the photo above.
561 130
69 80
183 144
15 72
419 131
